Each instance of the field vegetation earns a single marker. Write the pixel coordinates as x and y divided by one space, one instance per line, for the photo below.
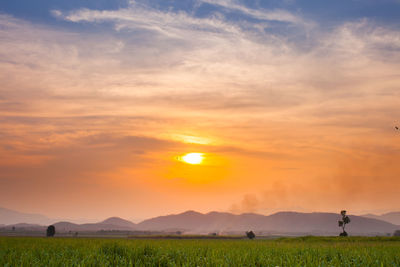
305 251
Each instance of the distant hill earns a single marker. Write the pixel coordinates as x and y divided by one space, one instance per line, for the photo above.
278 223
110 224
391 217
119 222
13 217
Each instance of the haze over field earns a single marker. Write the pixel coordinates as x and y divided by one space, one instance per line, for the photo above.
283 105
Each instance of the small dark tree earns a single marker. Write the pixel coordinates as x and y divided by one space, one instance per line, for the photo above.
51 231
250 235
396 233
345 220
13 228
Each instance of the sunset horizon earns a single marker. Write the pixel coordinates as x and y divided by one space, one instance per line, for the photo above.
216 133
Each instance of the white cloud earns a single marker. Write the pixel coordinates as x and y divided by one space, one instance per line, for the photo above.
173 23
261 14
136 16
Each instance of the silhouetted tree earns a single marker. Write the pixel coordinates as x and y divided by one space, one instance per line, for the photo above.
51 231
345 220
396 233
250 235
13 228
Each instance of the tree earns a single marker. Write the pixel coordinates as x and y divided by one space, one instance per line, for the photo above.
51 231
250 235
345 220
396 233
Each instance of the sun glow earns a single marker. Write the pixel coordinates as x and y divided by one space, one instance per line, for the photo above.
193 158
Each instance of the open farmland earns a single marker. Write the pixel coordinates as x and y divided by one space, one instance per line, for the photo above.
306 251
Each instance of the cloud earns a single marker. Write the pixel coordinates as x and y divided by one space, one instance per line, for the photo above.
268 15
366 40
208 74
136 16
143 15
283 105
203 64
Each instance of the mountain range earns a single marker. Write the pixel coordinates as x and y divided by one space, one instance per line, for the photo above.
317 223
279 223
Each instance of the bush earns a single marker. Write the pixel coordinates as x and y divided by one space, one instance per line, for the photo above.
250 235
51 231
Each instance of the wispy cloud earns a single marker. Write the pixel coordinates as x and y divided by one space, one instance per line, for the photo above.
267 15
138 16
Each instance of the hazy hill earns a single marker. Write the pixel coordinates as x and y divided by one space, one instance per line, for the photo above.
13 217
110 224
119 222
281 222
391 217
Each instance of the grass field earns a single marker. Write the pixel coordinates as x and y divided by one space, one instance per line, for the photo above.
306 251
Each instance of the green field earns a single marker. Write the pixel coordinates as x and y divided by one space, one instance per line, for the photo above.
307 251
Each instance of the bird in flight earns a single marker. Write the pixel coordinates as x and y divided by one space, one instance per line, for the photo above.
396 127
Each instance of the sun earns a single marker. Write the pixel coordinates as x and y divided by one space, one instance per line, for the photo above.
193 158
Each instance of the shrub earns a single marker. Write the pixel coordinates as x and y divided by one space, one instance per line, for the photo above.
250 235
51 231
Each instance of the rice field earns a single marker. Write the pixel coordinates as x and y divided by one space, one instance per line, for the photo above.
306 251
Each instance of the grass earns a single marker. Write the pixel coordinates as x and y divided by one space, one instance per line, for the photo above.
304 251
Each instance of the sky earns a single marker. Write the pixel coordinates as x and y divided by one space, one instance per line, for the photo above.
292 103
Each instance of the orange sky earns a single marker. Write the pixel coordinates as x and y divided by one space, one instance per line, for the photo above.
91 123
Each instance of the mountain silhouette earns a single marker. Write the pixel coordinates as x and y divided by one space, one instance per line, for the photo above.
391 217
119 222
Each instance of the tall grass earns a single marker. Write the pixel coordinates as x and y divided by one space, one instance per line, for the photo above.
308 251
